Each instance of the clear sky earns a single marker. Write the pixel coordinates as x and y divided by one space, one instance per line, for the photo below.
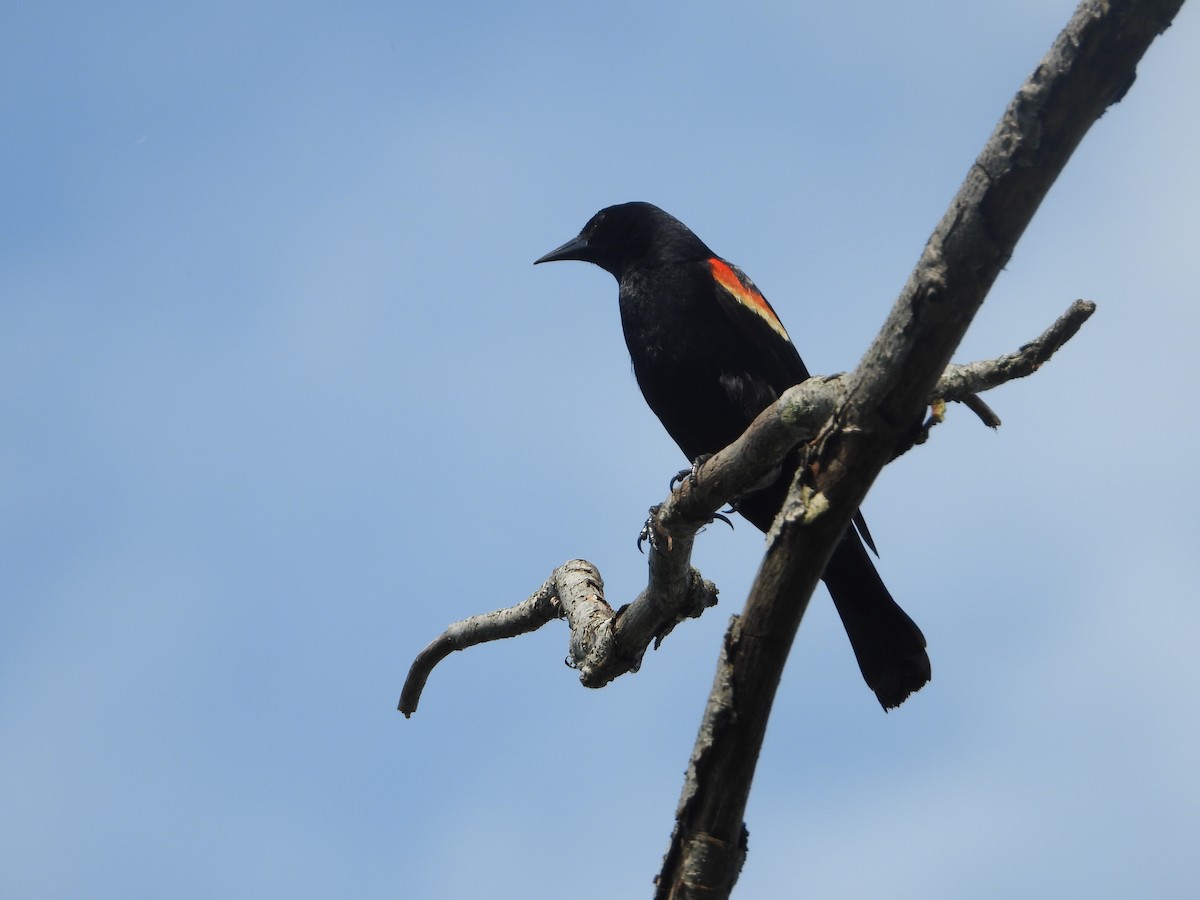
283 395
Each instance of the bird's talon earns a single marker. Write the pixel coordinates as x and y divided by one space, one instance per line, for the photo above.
691 474
647 533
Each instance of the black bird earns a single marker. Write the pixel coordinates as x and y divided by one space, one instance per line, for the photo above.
710 354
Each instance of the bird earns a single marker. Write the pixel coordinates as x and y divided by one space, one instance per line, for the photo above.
709 354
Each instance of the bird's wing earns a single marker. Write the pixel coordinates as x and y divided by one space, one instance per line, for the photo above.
755 319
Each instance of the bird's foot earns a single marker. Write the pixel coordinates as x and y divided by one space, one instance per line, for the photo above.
649 533
690 474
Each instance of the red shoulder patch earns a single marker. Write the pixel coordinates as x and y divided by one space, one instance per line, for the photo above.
743 291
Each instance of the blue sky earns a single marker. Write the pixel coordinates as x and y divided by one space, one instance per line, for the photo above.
283 396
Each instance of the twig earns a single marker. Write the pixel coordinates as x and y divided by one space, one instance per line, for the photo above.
528 615
960 381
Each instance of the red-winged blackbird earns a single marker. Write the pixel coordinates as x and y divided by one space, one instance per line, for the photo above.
710 354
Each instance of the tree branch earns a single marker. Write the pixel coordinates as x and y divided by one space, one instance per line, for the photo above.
529 615
960 381
604 643
1090 66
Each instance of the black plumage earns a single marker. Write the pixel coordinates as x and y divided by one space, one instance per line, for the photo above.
709 354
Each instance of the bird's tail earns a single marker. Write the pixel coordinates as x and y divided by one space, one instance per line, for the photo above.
888 644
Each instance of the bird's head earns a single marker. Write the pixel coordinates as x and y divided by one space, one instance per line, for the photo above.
630 234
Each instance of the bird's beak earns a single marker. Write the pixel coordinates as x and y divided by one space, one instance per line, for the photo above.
575 248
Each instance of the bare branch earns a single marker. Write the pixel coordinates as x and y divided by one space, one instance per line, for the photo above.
664 603
603 643
1090 66
960 381
528 615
